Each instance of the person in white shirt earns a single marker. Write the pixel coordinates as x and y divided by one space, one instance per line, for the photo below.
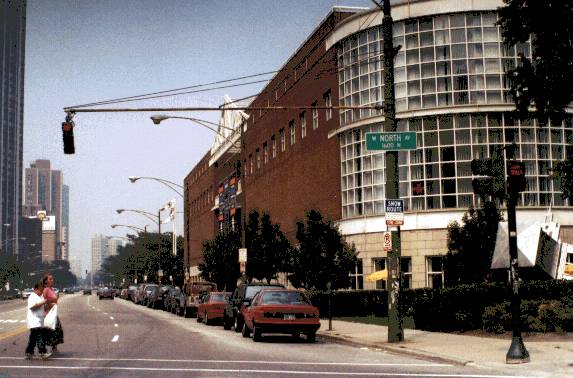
35 322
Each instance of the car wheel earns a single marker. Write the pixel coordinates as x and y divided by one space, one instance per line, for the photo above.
226 323
246 332
257 336
238 324
99 298
199 319
295 335
311 337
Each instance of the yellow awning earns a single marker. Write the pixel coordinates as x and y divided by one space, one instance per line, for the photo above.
377 276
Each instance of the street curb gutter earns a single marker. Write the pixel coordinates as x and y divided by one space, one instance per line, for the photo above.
403 350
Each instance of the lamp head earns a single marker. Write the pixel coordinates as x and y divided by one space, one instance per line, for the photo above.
133 178
113 225
119 211
158 118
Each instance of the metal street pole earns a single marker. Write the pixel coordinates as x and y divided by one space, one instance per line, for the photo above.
395 331
160 245
517 354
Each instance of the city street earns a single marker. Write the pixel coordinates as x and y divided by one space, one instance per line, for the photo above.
119 338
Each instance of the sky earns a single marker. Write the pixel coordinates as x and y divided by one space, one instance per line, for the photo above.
83 51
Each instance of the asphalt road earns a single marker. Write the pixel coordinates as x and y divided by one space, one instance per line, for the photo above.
105 338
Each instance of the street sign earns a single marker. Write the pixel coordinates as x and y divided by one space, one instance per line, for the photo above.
394 212
242 255
391 141
387 241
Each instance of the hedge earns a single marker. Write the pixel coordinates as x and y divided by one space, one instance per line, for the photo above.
546 306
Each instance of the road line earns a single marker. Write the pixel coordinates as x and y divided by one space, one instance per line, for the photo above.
111 317
253 371
425 364
105 313
17 331
115 325
115 338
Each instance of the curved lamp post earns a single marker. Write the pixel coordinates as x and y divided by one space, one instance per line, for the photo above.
170 184
134 228
153 217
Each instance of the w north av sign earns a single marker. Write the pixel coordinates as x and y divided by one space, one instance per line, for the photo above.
391 141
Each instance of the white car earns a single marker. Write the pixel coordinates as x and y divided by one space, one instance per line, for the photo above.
26 293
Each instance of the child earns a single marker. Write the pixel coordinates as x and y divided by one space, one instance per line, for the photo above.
35 322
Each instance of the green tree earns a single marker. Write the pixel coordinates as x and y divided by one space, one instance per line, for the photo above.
471 245
322 255
539 81
10 270
221 260
268 248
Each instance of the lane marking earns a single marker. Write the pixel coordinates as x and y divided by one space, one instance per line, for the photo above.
253 371
105 313
17 331
115 325
111 317
115 338
427 364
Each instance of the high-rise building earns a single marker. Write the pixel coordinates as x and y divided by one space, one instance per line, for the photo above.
75 266
65 237
99 251
12 43
44 190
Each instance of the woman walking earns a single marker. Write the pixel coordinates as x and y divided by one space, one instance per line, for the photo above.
57 336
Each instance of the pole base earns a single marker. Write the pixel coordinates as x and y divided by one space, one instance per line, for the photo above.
517 354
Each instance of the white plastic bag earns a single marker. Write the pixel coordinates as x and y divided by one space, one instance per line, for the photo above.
51 318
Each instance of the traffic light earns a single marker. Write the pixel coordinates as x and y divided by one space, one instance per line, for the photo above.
515 177
494 184
68 136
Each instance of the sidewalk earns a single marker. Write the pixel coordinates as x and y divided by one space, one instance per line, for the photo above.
551 355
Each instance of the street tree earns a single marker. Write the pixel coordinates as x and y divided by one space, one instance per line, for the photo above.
220 259
268 248
471 245
322 255
539 84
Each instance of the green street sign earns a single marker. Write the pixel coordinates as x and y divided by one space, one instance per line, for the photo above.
391 141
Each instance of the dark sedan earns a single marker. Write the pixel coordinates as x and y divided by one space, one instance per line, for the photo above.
281 311
106 292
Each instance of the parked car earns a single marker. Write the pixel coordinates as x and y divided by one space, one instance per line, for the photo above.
87 291
212 307
243 294
148 293
193 292
8 294
105 292
123 293
26 293
280 311
131 292
140 294
155 300
172 300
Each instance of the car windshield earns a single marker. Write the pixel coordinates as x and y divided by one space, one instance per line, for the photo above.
285 298
218 297
253 290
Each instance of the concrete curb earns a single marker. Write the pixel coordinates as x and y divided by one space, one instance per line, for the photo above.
403 350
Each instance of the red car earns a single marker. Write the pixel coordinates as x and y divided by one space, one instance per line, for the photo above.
281 311
212 307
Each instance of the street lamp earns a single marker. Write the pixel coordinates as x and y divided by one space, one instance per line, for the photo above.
170 184
155 218
134 228
157 119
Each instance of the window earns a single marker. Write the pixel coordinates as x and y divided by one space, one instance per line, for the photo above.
379 264
292 132
258 158
265 153
274 146
435 272
302 117
314 117
251 164
282 135
406 269
328 104
357 276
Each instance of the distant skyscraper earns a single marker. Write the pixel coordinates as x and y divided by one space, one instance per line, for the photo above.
12 43
113 246
103 247
44 190
76 266
65 222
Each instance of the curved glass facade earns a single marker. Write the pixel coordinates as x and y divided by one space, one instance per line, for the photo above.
445 61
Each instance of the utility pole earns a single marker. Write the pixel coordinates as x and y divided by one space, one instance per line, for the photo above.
395 331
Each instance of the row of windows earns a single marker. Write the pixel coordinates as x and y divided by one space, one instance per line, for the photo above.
204 199
262 157
438 173
434 272
436 67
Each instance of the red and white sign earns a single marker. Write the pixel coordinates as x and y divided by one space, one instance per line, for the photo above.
387 241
